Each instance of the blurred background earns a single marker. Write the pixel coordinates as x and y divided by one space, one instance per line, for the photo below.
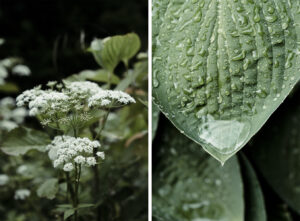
49 35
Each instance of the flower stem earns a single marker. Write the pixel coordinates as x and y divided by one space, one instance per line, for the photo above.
76 200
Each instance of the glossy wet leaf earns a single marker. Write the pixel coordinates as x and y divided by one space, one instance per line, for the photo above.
276 152
20 140
48 189
221 68
254 199
109 51
190 185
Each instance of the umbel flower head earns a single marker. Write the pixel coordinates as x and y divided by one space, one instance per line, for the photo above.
22 194
10 116
65 151
70 104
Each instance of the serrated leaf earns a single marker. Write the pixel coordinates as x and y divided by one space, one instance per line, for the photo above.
190 185
276 152
20 140
221 68
48 189
254 199
109 51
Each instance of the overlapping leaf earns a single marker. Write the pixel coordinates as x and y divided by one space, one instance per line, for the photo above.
189 185
222 67
254 200
276 152
21 140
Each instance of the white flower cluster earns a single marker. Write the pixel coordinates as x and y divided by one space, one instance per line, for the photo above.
110 98
43 102
82 90
9 115
65 151
22 194
3 179
11 63
70 105
21 70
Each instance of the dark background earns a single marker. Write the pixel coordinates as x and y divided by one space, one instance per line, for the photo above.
46 33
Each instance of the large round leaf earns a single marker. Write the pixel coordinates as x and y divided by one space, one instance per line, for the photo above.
222 67
190 185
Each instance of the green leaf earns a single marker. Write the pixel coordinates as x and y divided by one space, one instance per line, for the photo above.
20 140
109 51
48 189
68 213
276 152
221 68
9 88
100 75
254 200
85 205
190 185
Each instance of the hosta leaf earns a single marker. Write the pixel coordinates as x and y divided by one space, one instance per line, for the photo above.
276 152
190 185
254 200
20 140
109 51
48 189
222 67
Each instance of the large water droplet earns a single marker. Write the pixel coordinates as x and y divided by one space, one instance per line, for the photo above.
224 136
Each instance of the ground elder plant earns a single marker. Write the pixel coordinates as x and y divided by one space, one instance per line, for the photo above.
72 105
85 121
220 71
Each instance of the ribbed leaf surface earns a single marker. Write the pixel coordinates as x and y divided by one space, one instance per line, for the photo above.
222 67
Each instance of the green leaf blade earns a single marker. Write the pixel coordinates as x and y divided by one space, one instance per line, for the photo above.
48 189
218 72
189 185
21 140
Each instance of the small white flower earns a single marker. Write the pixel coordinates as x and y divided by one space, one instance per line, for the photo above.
68 167
22 169
105 102
3 179
91 161
22 194
101 155
106 97
79 159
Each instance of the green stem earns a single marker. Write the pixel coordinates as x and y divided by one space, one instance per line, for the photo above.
70 190
77 179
